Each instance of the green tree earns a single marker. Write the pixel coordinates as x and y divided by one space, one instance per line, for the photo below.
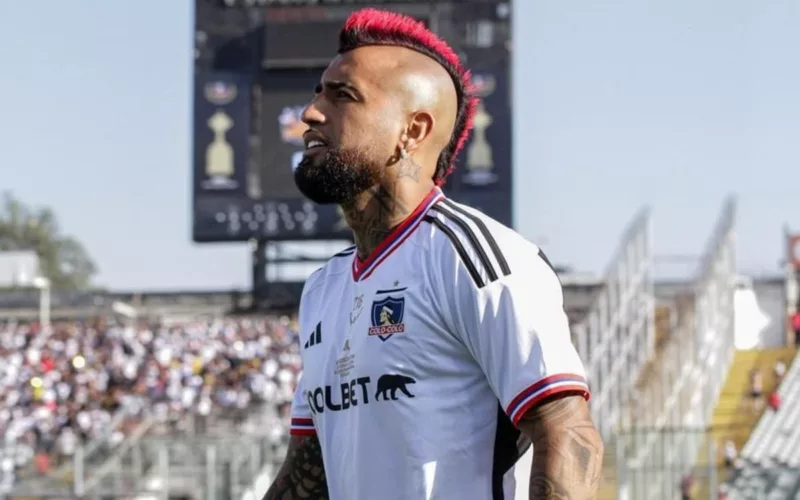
63 260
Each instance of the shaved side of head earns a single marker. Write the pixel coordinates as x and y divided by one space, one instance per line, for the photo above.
427 87
416 84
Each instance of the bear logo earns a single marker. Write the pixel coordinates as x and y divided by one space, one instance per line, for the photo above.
389 384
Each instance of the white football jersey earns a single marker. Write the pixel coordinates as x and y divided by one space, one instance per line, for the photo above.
420 360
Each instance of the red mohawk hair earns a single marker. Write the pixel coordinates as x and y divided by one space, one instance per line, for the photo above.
378 27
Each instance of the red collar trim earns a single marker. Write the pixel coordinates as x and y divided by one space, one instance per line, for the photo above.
362 269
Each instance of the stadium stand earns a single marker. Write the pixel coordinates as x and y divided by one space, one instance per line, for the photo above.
733 418
77 398
660 441
769 466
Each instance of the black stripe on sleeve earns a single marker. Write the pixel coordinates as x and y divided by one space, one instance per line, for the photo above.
473 240
501 260
460 250
347 251
546 261
550 265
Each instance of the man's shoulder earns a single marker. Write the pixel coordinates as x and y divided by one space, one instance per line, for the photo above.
486 249
337 267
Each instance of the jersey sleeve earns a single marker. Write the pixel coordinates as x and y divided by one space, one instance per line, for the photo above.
302 424
517 330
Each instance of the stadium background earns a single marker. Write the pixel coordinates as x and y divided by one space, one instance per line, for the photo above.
668 359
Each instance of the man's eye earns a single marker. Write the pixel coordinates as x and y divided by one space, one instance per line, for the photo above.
343 95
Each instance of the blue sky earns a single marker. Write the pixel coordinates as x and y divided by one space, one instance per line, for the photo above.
619 104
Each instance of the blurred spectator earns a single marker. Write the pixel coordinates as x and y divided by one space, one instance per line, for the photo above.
756 389
687 483
779 371
774 401
63 387
796 328
730 454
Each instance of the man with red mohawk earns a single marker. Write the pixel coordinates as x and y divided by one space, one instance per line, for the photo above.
436 350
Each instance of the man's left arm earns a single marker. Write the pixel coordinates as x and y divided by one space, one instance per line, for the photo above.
518 332
567 449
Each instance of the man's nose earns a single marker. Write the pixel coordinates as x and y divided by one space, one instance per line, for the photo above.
312 115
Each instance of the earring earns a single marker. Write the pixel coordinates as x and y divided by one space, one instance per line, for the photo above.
403 153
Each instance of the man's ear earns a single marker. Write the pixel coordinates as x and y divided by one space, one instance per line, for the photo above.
419 129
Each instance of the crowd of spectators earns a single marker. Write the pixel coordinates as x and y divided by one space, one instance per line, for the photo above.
65 385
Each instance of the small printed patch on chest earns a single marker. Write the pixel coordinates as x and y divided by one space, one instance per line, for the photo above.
358 308
346 360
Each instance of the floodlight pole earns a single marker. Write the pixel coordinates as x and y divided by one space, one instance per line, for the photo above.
43 284
260 261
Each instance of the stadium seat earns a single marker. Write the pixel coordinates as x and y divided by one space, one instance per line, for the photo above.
731 418
770 462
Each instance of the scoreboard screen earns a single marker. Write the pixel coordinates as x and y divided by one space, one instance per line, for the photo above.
237 198
284 95
307 43
483 175
300 44
255 71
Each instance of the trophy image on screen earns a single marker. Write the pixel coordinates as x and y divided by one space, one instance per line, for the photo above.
219 153
479 153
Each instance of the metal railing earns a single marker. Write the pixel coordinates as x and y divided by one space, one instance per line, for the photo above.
616 337
694 366
219 467
217 457
673 456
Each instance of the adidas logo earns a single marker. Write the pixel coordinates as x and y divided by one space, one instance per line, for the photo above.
315 337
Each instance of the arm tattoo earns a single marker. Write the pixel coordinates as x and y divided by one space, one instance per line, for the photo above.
302 476
567 450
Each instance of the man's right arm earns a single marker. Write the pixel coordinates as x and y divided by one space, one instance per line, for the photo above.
302 475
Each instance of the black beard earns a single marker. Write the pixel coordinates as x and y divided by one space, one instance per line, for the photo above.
338 179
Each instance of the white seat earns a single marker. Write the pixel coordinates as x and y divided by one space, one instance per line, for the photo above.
770 467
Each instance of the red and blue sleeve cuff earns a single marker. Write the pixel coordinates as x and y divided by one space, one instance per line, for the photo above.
549 386
302 427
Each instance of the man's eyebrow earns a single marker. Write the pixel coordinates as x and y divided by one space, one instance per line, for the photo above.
338 85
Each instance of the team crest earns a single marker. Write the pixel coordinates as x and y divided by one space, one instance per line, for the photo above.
387 317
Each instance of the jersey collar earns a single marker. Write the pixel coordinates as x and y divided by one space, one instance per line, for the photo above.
362 269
